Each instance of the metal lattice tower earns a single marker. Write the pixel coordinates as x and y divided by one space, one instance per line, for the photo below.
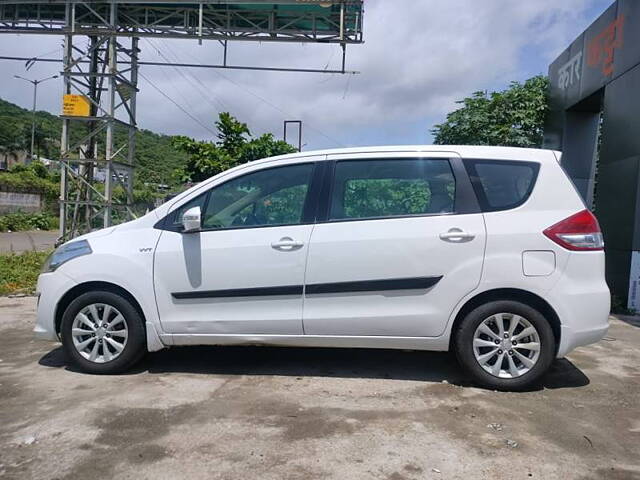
111 89
100 62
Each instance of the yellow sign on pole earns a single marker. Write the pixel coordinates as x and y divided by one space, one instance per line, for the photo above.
75 105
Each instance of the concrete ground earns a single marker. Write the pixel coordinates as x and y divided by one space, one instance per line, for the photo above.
268 413
36 240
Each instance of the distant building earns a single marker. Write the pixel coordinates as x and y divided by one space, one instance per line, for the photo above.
9 159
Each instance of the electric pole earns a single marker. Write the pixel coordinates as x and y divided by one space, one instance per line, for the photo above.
33 110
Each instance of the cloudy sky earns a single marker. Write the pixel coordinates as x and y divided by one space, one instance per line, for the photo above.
419 57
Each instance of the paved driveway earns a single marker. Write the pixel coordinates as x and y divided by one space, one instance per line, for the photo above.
268 413
18 242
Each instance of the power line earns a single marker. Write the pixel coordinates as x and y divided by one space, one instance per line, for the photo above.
346 88
177 105
272 105
180 93
213 101
31 62
284 112
193 76
200 65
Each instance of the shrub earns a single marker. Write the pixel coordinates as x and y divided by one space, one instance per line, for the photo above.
39 169
27 221
28 181
19 272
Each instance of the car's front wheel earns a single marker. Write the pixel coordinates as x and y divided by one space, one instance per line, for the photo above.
102 333
505 345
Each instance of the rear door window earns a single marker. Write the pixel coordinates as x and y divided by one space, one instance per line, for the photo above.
500 184
368 189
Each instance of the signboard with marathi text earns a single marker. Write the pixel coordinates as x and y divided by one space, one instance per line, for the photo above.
606 50
75 106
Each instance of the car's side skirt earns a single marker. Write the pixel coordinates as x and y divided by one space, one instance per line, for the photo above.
409 343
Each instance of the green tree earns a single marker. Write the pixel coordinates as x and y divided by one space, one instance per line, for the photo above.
234 147
513 117
13 136
231 134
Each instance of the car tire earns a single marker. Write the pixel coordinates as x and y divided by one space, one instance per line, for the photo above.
501 359
115 337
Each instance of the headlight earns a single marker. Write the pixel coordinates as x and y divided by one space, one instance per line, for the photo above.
64 253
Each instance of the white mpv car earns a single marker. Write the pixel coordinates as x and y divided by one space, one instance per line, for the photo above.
486 251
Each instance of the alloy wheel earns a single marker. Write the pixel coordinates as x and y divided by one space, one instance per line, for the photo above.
506 345
99 332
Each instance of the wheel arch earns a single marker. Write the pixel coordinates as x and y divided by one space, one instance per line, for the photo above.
514 294
81 288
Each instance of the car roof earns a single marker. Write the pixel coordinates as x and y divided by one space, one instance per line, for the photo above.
465 151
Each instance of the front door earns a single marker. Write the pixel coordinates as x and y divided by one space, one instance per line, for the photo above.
243 273
401 244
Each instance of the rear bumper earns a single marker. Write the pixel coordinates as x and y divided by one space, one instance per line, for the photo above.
582 301
572 338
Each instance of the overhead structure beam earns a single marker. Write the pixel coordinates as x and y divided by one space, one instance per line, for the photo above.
281 21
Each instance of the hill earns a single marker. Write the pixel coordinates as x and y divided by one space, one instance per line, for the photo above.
156 159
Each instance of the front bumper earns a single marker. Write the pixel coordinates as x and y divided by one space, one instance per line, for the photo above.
50 289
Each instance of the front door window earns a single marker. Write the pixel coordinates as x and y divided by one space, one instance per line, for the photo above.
265 198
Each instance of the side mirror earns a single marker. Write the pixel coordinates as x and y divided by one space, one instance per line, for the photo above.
191 220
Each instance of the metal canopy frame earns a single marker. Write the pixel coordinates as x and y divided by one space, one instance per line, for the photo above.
288 21
105 71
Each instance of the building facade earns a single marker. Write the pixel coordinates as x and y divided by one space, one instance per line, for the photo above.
595 121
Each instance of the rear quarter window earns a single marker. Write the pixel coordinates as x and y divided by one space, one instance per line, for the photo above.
500 184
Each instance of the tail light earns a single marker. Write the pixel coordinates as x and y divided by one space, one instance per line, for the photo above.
578 232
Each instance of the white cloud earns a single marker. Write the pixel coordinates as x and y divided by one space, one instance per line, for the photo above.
419 57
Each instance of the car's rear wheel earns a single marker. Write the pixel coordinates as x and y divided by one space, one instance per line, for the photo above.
505 345
102 332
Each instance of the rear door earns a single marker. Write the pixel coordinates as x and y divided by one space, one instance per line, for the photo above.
398 243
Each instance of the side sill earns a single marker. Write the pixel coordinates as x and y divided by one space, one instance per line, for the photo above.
439 344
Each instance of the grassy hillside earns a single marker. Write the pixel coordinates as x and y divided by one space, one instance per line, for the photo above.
156 159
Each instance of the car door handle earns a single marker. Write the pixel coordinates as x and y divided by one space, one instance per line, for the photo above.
457 234
287 244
